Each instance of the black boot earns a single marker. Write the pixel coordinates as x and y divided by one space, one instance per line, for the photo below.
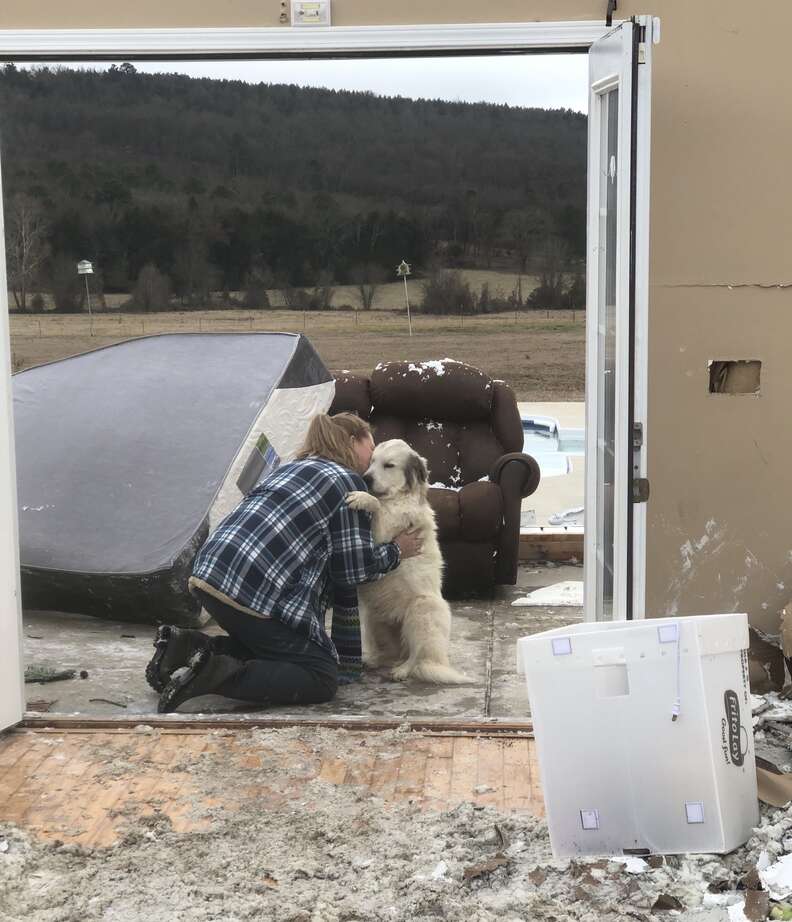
205 675
174 647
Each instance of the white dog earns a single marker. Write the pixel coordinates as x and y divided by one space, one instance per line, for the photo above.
405 621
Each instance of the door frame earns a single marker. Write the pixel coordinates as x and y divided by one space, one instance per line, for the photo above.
50 45
633 79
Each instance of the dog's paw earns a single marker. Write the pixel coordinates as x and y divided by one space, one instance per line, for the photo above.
401 672
365 502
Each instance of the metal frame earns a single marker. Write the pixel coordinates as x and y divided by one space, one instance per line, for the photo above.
126 44
634 83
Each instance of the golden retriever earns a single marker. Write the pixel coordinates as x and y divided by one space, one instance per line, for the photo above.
405 621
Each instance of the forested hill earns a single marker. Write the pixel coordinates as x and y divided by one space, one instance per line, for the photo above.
129 168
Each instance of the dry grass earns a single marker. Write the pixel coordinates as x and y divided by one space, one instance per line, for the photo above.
541 356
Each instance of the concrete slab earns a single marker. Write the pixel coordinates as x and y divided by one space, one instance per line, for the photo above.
115 654
507 698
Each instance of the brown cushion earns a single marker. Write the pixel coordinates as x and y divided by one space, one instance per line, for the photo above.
352 395
468 566
480 511
506 422
444 390
478 450
446 508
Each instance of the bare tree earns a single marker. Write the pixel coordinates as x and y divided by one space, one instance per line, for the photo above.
367 278
523 228
26 242
152 290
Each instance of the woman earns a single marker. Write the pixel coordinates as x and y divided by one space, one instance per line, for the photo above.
267 573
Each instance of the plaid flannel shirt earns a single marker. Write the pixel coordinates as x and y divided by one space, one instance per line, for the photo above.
292 544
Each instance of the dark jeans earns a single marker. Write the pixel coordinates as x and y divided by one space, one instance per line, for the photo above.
279 665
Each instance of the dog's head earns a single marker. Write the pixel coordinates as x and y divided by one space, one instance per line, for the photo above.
395 468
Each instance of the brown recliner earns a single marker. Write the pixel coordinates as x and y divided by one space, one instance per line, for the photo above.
468 428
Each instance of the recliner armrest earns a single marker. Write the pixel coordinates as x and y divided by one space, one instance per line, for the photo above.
522 470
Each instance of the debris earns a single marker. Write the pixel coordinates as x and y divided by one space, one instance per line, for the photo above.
118 704
765 663
129 636
568 593
485 867
270 883
83 673
440 871
666 903
737 912
633 865
35 637
751 881
782 911
777 878
483 789
757 905
40 705
40 672
3 846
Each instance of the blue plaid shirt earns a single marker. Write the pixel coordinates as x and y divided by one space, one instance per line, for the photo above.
292 542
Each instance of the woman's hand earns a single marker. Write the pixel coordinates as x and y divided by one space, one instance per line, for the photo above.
410 543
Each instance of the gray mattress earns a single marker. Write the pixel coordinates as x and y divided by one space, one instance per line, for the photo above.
122 452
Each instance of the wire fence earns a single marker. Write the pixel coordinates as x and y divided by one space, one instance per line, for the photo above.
122 326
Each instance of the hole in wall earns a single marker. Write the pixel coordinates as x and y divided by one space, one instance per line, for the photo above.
734 376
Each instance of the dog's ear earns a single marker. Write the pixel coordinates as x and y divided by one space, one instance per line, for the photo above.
415 471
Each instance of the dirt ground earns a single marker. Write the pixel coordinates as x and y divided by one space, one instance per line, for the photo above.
294 847
541 355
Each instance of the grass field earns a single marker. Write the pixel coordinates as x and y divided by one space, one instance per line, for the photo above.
540 355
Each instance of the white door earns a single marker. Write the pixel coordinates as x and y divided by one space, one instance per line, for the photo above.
12 688
616 320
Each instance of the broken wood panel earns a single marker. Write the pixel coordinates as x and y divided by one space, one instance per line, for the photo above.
464 775
490 773
412 772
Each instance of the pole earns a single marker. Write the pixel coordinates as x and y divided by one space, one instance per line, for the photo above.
407 299
88 296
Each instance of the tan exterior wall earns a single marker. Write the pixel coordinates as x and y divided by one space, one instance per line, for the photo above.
719 533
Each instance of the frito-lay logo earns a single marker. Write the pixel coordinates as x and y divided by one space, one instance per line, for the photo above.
733 727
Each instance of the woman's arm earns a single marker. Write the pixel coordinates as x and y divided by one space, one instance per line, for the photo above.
345 633
355 558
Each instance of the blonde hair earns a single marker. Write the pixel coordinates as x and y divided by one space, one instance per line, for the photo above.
330 437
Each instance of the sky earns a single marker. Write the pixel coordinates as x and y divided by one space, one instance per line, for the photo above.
545 81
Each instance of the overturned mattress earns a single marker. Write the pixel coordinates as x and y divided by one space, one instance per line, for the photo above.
128 455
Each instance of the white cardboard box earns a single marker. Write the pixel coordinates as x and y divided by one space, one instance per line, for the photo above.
619 774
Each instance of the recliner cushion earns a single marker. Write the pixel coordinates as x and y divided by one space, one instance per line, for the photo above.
443 390
445 504
480 511
352 395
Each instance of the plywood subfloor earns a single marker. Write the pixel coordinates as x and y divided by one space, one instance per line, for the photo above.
90 787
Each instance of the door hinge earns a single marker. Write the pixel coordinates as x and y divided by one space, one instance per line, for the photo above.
642 52
640 485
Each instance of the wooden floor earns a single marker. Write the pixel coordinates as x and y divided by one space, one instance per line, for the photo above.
87 786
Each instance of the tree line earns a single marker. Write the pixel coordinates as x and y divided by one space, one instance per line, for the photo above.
189 187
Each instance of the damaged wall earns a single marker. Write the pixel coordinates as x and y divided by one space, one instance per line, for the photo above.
718 534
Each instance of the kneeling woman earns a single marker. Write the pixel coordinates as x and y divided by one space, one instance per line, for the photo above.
267 573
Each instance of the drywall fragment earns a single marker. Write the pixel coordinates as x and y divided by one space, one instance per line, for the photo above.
777 878
567 593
